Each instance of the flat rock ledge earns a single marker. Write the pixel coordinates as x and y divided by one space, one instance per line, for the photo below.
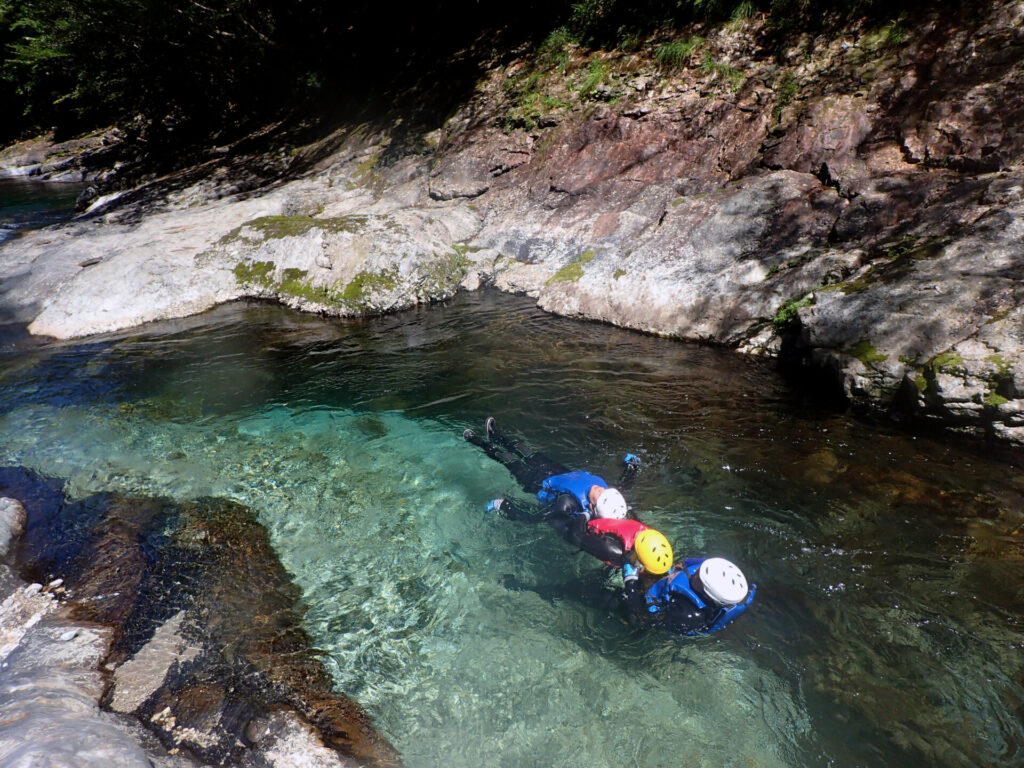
853 206
106 666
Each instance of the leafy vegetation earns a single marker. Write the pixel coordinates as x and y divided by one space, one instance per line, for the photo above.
787 316
184 73
677 53
786 90
722 72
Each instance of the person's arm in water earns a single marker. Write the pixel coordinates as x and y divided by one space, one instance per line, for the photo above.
630 469
562 508
636 595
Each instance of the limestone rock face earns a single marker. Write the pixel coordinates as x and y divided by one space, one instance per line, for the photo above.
853 202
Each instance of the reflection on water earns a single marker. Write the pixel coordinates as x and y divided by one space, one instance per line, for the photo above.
887 629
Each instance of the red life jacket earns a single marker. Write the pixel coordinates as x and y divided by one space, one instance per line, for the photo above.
626 530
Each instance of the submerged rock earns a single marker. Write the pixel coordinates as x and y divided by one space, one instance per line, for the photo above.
12 524
196 620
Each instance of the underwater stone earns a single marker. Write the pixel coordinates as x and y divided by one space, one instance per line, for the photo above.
12 523
205 635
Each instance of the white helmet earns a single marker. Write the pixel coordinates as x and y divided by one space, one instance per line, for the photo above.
723 581
610 504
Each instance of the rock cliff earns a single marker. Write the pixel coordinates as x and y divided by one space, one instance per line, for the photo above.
852 201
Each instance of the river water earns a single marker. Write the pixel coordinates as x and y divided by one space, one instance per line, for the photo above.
887 629
28 204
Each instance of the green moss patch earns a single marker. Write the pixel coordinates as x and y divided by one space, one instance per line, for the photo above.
999 362
994 400
864 351
618 273
946 362
365 283
573 271
257 273
276 227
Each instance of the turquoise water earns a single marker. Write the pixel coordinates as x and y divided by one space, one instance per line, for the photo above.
887 629
30 204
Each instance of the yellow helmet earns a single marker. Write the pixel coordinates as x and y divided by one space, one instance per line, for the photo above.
653 551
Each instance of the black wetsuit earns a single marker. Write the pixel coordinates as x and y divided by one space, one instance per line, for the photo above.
678 616
531 468
650 604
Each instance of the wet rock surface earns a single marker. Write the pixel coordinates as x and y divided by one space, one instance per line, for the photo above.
195 624
852 201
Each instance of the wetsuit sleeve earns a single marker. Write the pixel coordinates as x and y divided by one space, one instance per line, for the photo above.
630 470
521 511
636 603
558 512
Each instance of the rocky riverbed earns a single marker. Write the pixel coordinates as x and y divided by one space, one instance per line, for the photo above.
179 620
853 202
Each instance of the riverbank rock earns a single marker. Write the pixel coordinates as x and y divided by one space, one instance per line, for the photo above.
87 158
851 202
194 621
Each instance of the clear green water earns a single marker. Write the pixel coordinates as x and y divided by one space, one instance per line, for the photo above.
28 204
888 625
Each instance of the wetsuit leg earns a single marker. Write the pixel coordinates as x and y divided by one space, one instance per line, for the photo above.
529 467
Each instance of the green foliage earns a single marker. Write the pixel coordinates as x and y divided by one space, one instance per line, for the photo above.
745 10
588 16
889 35
994 400
787 317
722 72
255 273
597 73
677 53
785 90
552 53
528 102
947 362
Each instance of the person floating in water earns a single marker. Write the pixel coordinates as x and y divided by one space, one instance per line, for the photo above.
697 596
579 505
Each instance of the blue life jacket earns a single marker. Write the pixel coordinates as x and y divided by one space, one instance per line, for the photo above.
677 584
577 483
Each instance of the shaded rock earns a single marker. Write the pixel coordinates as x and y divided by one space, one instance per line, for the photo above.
704 272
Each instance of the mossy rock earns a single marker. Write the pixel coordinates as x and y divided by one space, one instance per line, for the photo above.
364 284
573 271
443 275
256 273
277 227
947 362
865 351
